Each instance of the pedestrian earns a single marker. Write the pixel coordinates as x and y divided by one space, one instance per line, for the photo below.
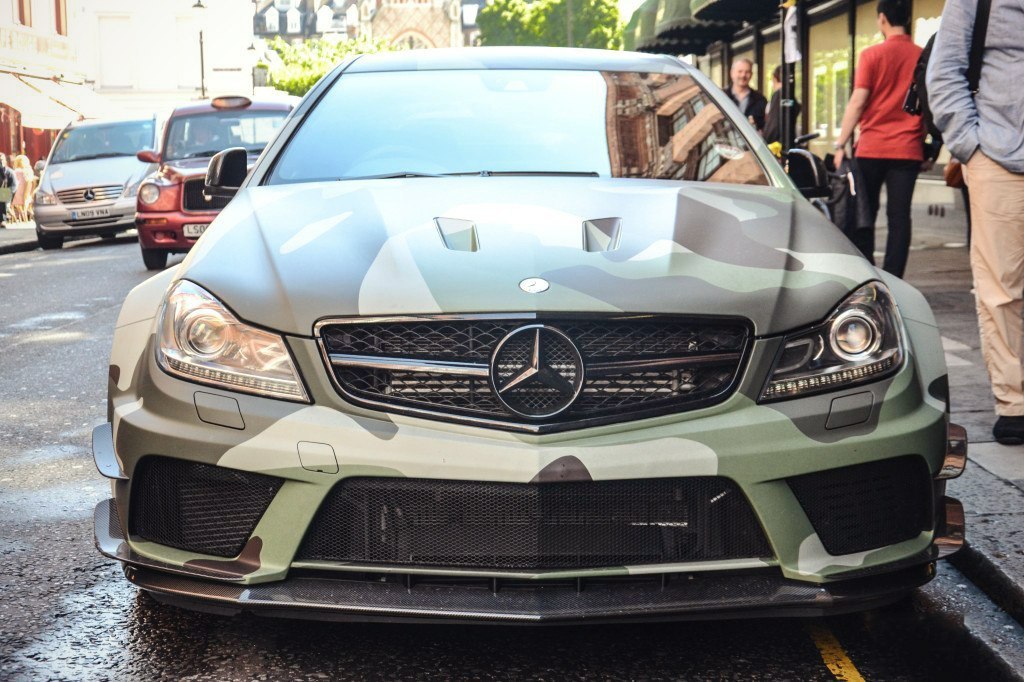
8 186
984 132
890 148
751 103
21 205
773 114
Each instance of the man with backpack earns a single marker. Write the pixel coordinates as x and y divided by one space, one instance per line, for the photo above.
978 104
890 148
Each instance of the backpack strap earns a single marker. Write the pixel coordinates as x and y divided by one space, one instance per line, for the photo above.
978 45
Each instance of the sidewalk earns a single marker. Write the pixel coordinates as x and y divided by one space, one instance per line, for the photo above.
18 237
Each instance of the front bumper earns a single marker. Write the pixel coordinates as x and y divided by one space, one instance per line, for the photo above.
677 596
166 229
66 219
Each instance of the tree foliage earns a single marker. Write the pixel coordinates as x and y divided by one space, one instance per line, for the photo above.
303 64
595 23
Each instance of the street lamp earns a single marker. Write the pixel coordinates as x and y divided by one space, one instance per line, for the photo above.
202 57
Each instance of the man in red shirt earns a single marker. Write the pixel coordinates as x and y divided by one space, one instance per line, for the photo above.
890 147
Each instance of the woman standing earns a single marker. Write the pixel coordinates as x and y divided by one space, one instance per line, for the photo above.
22 204
8 185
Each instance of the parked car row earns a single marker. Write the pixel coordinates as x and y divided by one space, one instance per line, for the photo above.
107 177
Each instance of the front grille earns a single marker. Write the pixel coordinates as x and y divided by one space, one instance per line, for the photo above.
197 507
193 199
866 506
77 195
633 366
563 525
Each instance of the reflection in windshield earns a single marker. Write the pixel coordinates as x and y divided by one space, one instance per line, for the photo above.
86 142
203 135
507 122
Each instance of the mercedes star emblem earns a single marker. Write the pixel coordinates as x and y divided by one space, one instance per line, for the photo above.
89 194
537 371
534 285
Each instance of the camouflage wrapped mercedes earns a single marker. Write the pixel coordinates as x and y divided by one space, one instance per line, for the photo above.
525 336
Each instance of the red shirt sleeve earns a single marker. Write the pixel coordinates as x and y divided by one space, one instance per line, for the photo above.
865 74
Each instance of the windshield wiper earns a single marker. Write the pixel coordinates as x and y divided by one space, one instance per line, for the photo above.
104 155
566 174
398 174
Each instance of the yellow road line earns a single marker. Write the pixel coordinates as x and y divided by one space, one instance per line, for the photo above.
832 652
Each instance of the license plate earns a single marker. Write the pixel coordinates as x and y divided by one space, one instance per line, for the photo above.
90 213
194 230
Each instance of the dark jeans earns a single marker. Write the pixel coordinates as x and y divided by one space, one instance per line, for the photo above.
899 177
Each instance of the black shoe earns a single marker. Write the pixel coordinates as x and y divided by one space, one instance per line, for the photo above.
1009 430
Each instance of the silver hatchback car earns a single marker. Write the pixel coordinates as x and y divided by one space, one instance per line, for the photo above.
91 178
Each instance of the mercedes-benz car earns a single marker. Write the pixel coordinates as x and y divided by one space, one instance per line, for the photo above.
172 210
525 336
91 178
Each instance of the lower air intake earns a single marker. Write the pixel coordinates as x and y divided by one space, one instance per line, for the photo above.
565 525
197 507
866 506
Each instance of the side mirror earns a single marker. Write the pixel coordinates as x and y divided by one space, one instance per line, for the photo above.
148 156
808 172
226 173
39 167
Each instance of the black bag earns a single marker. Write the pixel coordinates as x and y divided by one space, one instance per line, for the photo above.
916 101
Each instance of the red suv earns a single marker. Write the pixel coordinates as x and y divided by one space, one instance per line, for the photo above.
171 209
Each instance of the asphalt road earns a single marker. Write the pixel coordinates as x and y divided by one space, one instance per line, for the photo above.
67 613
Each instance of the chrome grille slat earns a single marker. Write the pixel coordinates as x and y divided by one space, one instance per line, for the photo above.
77 195
440 368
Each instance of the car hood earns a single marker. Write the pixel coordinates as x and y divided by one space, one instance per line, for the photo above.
287 256
118 170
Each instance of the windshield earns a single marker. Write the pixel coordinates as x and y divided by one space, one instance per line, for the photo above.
101 141
201 135
492 122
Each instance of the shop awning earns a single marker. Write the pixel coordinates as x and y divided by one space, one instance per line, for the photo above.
733 10
36 109
73 96
677 32
646 15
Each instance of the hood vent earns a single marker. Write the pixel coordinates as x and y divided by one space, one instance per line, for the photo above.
458 234
601 234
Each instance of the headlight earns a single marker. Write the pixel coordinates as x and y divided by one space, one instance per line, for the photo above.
149 193
200 340
45 199
861 341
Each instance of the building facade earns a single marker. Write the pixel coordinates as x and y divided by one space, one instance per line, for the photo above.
150 56
413 24
38 68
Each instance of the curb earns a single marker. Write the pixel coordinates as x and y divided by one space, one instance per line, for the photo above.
988 575
19 246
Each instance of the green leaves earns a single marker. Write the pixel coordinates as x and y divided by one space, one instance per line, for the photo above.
595 23
303 64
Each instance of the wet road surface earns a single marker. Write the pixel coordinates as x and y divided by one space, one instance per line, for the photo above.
67 613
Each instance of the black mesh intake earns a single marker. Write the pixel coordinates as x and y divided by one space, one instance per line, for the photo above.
422 522
197 507
866 506
193 199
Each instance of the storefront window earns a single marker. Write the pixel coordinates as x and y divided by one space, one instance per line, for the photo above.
829 49
867 27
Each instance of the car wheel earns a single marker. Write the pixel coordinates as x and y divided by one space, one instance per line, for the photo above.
155 259
50 242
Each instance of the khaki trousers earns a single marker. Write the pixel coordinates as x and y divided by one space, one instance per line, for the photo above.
997 260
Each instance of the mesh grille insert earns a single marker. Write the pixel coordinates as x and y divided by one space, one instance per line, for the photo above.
193 198
866 506
197 507
561 525
633 366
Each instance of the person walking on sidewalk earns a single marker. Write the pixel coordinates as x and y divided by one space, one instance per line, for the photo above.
890 148
751 103
8 186
773 114
984 132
